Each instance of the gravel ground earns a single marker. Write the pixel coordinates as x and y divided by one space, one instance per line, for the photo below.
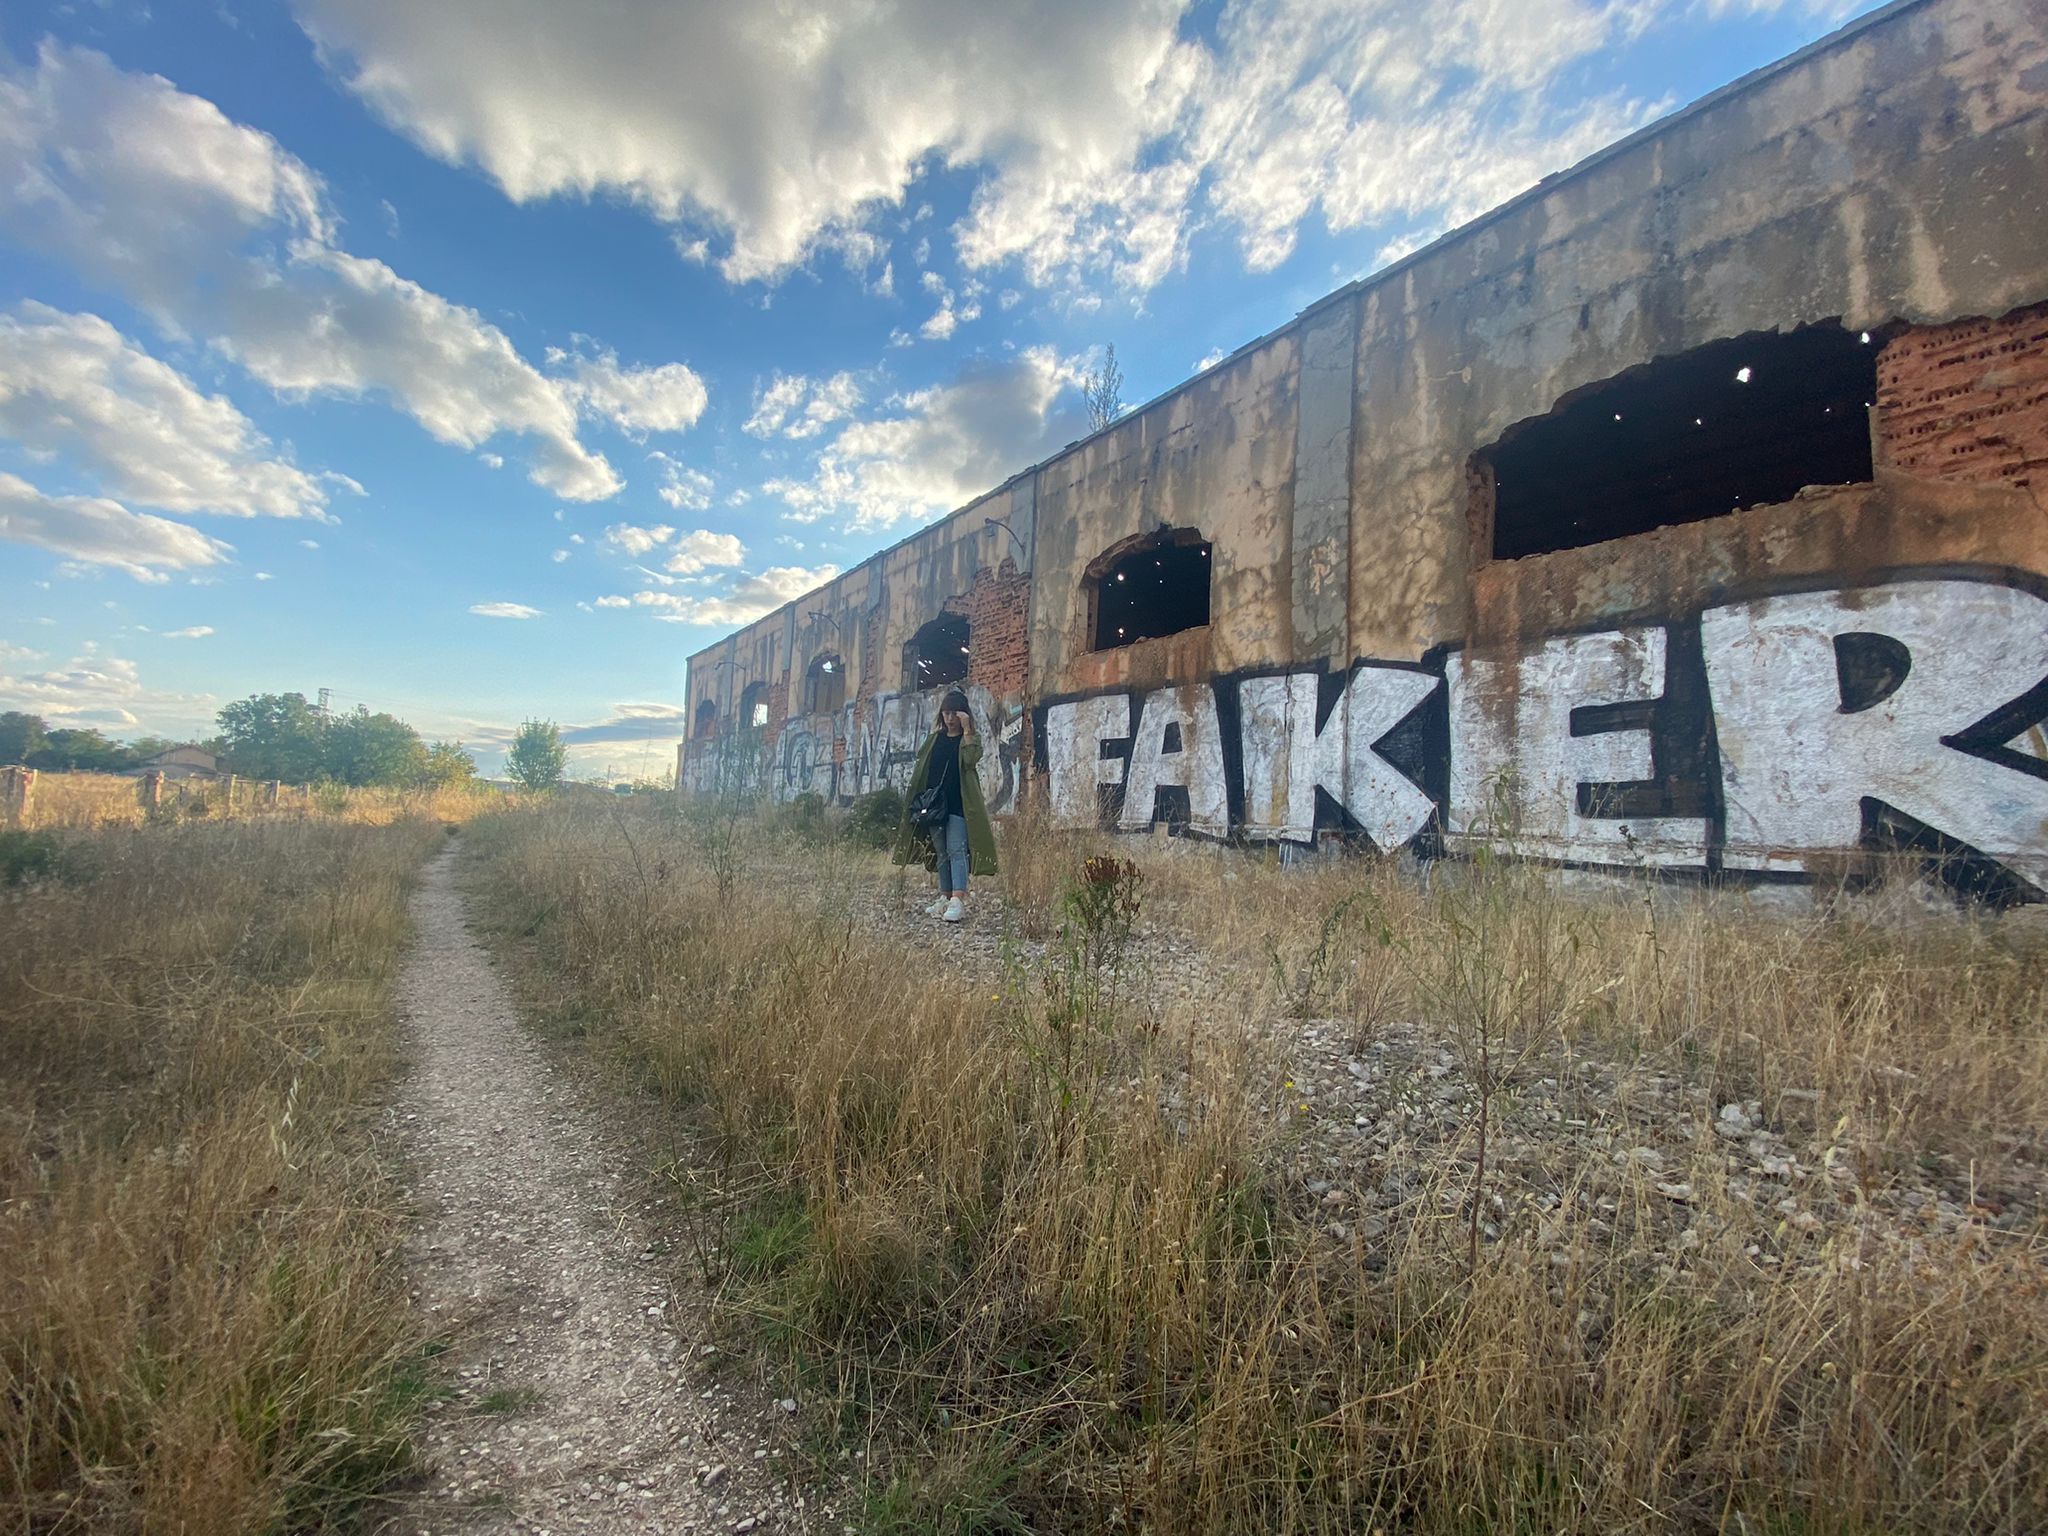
1369 1119
585 1398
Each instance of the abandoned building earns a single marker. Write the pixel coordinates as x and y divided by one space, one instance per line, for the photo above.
1685 511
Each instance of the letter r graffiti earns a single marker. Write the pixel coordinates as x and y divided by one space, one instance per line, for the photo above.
1799 756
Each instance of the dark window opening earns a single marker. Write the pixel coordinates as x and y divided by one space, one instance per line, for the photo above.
1160 587
707 718
754 707
825 686
1733 424
937 653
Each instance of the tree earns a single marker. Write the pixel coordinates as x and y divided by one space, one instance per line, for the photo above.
537 758
362 748
80 750
448 765
1104 388
21 736
272 736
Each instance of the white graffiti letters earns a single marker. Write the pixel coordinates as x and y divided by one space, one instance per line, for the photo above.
1178 745
1517 767
1287 758
1074 735
1798 755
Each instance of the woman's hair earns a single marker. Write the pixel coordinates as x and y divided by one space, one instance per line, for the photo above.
954 700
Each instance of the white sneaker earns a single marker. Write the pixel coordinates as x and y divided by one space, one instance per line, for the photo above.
937 908
954 911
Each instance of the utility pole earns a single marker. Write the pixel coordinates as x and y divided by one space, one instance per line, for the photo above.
326 700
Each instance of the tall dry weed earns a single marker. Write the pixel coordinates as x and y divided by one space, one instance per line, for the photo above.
201 1323
1048 1265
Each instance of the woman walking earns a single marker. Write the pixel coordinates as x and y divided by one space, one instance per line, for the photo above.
963 842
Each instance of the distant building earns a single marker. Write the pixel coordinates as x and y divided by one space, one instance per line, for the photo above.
186 762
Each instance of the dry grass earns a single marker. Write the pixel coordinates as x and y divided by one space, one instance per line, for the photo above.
201 1323
80 801
1034 1237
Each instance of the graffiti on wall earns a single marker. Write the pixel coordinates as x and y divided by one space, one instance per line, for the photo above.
869 745
1746 737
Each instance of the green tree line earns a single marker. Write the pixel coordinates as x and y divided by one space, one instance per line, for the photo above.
265 736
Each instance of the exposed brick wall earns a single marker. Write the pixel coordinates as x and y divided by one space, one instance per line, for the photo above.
1968 401
998 613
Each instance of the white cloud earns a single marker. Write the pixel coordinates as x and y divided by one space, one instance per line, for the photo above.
559 556
637 541
795 406
336 324
746 600
946 319
309 543
491 460
683 489
701 550
107 692
215 230
1097 136
665 398
780 131
504 610
942 446
260 576
1359 112
195 632
98 532
72 385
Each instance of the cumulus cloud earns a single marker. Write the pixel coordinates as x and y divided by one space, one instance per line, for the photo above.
745 601
791 405
775 131
106 692
947 319
635 540
215 230
73 386
684 489
665 398
702 550
95 531
195 632
1098 136
504 610
941 447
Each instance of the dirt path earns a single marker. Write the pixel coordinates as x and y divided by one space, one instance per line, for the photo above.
584 1400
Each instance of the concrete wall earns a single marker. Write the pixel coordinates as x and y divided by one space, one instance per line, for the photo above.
1861 664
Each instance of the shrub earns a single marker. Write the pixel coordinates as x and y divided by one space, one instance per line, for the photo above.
875 817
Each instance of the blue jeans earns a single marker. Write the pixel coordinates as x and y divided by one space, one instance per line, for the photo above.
949 842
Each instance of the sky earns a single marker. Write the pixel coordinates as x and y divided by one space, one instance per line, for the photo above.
481 360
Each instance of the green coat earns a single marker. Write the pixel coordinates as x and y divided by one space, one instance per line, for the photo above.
913 843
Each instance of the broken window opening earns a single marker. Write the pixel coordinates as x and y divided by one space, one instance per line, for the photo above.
1159 586
937 654
1746 422
707 719
825 685
754 707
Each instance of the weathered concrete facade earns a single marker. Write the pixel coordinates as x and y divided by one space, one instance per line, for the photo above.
1839 664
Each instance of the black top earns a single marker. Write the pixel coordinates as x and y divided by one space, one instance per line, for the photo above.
944 770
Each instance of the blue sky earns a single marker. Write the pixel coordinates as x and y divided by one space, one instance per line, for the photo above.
482 360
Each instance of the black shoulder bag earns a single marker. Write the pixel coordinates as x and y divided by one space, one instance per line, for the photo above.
928 806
